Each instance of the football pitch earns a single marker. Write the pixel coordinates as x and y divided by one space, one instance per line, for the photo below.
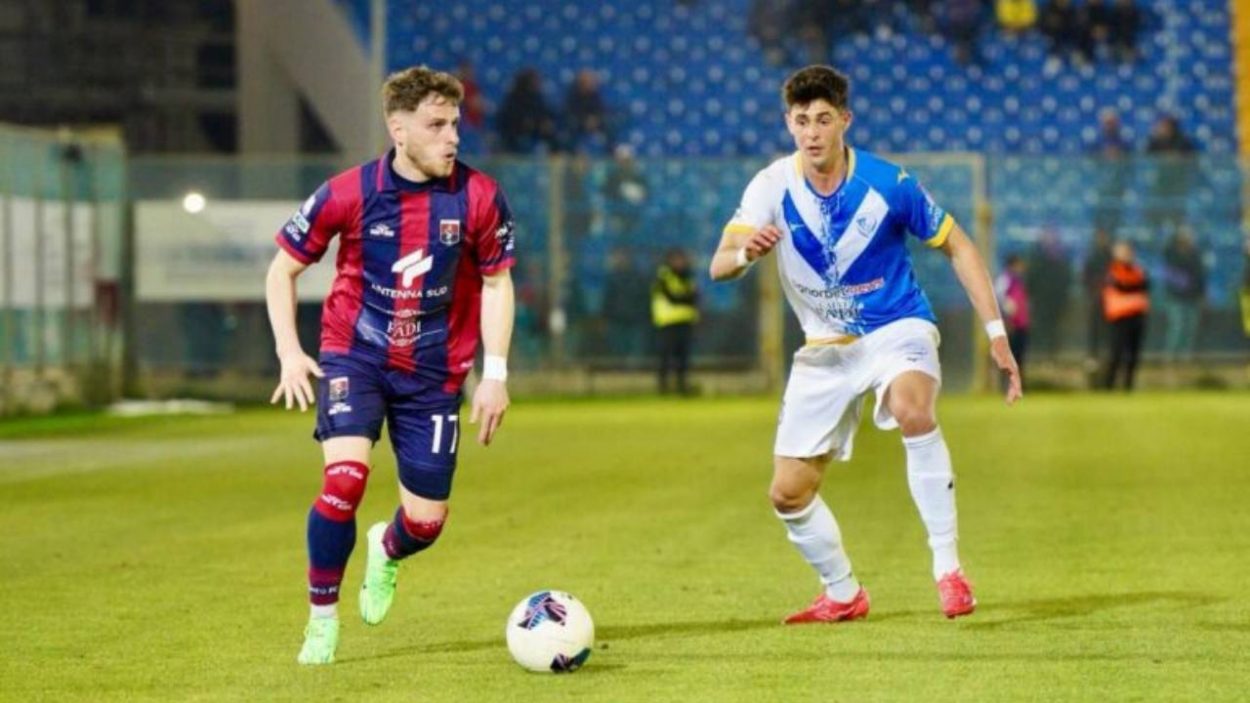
1108 538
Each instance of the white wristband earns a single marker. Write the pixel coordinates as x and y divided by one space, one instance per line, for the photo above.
995 328
741 260
495 368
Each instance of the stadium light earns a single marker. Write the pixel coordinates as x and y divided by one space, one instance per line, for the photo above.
193 202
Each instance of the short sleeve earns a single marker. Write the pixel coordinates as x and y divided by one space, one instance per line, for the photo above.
920 214
495 239
758 206
307 234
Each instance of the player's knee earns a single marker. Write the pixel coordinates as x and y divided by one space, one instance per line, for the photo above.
915 420
424 528
342 489
790 498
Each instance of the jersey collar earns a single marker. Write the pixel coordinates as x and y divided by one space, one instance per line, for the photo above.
850 173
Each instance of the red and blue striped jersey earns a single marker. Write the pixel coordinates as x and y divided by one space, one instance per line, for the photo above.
410 264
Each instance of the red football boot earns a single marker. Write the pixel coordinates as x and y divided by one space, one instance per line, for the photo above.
956 595
825 609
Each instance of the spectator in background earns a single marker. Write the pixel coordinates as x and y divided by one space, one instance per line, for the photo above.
1126 300
625 303
1126 23
1066 25
525 121
625 195
587 114
674 312
1094 275
817 22
766 22
1100 21
1184 283
1114 171
1016 16
1013 298
961 23
1049 278
1245 290
1175 171
532 308
472 110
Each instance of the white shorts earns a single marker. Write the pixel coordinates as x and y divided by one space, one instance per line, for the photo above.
825 394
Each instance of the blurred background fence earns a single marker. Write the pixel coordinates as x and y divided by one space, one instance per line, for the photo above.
620 129
187 287
62 224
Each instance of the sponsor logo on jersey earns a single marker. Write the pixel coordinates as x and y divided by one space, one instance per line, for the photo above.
381 229
413 266
301 222
505 229
410 294
292 231
339 408
449 232
403 332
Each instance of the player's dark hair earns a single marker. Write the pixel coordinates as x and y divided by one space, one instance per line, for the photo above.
404 90
813 83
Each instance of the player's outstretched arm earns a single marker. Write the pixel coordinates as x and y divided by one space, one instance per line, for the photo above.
975 277
739 248
490 400
293 385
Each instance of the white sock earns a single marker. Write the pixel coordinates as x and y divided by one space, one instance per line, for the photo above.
324 611
933 489
814 531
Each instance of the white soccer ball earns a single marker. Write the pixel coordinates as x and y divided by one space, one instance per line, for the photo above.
550 631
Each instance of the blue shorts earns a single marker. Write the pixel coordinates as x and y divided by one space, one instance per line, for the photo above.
423 421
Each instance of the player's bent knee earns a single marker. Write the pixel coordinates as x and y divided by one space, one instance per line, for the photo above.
342 489
914 421
788 499
424 530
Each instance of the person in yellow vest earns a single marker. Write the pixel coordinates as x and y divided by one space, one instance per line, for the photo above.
1125 302
1016 15
1245 291
674 312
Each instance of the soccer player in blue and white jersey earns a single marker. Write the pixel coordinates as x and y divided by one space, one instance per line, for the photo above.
838 219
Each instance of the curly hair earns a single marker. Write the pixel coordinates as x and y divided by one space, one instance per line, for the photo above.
807 85
404 90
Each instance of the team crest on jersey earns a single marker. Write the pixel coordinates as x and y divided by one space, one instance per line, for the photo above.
338 389
867 225
449 232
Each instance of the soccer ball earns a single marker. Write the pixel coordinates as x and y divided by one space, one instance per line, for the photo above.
550 631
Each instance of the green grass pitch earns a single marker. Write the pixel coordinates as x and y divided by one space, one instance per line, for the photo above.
1108 538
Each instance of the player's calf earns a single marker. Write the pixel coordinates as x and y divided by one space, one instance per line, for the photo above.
332 531
388 544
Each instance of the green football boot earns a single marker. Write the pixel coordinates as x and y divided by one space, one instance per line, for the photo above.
381 573
321 638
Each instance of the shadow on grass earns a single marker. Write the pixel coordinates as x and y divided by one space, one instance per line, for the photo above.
604 638
990 616
1006 613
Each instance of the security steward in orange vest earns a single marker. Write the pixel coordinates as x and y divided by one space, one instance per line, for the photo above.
1125 302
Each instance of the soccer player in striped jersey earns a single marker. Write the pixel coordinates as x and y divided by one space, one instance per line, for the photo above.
425 248
838 219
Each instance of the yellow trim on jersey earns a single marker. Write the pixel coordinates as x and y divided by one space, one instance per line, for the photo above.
739 228
944 231
840 340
